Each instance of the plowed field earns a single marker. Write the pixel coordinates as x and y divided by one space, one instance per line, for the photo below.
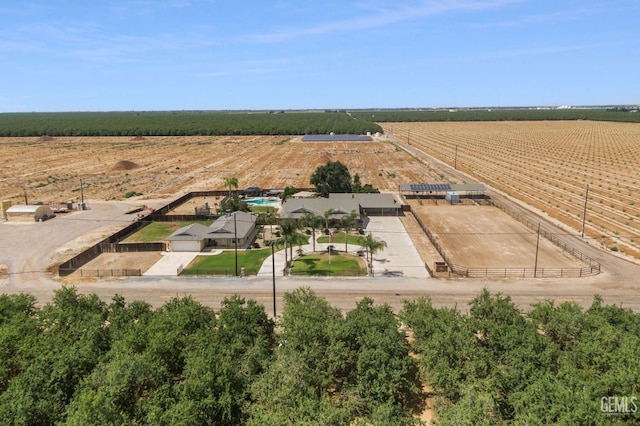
548 165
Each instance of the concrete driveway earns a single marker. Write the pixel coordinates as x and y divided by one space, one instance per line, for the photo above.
399 259
171 260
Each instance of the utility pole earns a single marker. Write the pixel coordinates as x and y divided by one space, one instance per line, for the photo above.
82 193
235 238
273 273
535 267
584 213
455 160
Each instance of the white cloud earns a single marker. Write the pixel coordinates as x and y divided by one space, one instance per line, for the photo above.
380 15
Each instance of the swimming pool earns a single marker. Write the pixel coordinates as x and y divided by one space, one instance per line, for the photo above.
263 201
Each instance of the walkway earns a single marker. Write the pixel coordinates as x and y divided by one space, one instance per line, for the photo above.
399 259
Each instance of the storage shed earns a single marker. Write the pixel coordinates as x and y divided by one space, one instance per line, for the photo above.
452 197
29 213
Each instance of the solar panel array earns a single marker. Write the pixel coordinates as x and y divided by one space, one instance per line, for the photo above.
333 138
430 187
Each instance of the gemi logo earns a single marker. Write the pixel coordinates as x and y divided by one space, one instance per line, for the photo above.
619 405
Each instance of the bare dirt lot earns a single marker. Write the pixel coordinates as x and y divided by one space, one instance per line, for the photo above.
480 236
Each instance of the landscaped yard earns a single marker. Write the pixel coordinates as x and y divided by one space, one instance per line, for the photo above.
329 265
338 238
225 263
159 231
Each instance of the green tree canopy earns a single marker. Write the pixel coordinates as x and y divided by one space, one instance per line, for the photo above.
332 177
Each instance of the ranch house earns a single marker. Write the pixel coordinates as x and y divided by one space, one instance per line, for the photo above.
221 234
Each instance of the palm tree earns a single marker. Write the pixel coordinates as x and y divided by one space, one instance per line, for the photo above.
326 215
229 182
373 245
313 221
348 222
288 229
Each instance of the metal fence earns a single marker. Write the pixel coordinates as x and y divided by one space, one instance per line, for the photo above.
204 273
524 272
330 273
511 272
132 247
100 273
552 237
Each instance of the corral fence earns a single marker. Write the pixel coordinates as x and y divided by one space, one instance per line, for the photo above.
524 272
101 273
593 267
433 240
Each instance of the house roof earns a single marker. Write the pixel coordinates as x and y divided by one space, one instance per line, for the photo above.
193 232
223 227
369 200
298 207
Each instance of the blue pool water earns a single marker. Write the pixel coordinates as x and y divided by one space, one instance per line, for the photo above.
263 201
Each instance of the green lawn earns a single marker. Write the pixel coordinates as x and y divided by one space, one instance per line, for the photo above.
159 231
318 264
263 209
338 238
224 263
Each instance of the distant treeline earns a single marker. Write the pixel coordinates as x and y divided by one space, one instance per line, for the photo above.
219 123
500 114
180 123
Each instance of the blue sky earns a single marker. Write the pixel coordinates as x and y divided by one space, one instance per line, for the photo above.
58 55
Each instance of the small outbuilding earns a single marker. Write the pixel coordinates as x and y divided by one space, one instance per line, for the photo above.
29 213
253 191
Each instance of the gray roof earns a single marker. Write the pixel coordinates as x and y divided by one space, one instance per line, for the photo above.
223 227
193 232
369 200
297 207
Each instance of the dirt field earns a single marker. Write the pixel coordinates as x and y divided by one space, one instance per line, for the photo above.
548 165
485 237
165 167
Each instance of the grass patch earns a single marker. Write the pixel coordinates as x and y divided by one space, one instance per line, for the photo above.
159 231
318 264
338 238
225 263
263 209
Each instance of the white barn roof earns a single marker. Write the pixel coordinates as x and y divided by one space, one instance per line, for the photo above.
32 208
